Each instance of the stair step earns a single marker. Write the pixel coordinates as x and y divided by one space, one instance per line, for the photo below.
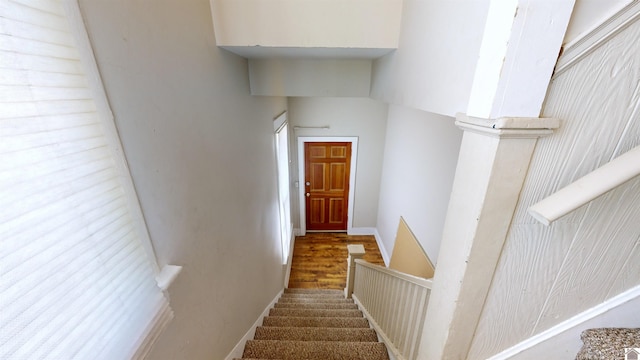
335 322
314 300
607 343
315 334
312 295
315 312
326 350
313 291
290 305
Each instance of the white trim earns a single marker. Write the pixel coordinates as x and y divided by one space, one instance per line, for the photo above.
239 348
280 126
163 317
167 275
361 231
572 323
585 45
292 243
372 231
352 175
88 60
297 232
279 121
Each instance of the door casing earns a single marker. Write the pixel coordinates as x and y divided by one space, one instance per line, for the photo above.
301 175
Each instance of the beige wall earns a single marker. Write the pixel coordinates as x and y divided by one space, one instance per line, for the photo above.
202 157
361 117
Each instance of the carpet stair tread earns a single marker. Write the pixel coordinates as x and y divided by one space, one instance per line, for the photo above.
607 343
326 350
315 334
315 312
314 291
320 305
334 322
311 295
315 300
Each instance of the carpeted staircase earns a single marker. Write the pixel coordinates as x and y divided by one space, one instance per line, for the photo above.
315 324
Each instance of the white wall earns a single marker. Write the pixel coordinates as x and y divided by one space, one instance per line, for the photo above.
310 77
361 117
328 23
201 152
433 68
420 157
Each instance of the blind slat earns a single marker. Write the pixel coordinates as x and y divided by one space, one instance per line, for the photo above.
19 12
33 32
40 139
39 78
29 156
14 61
103 234
39 48
23 93
43 170
57 193
44 222
49 107
22 126
37 186
48 6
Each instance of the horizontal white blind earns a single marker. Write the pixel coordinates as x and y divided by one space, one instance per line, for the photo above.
75 280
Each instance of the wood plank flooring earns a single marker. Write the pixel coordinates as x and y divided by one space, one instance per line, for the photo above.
320 259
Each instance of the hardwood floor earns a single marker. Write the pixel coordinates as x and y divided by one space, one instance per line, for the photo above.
320 259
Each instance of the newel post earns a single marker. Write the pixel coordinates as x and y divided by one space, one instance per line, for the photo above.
492 166
355 252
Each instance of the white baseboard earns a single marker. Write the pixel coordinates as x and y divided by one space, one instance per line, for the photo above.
564 338
361 231
239 348
297 232
383 250
372 231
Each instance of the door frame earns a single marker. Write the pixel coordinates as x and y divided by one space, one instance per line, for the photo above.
301 175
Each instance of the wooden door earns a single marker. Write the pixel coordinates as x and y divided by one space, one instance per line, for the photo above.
327 167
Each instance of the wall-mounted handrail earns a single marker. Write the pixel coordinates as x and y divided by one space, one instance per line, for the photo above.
589 187
396 305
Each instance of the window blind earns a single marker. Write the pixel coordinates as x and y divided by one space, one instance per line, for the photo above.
282 157
75 279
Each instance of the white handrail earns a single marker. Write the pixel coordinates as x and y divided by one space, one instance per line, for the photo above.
395 303
399 274
605 178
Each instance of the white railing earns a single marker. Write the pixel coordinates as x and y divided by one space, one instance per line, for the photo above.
396 305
